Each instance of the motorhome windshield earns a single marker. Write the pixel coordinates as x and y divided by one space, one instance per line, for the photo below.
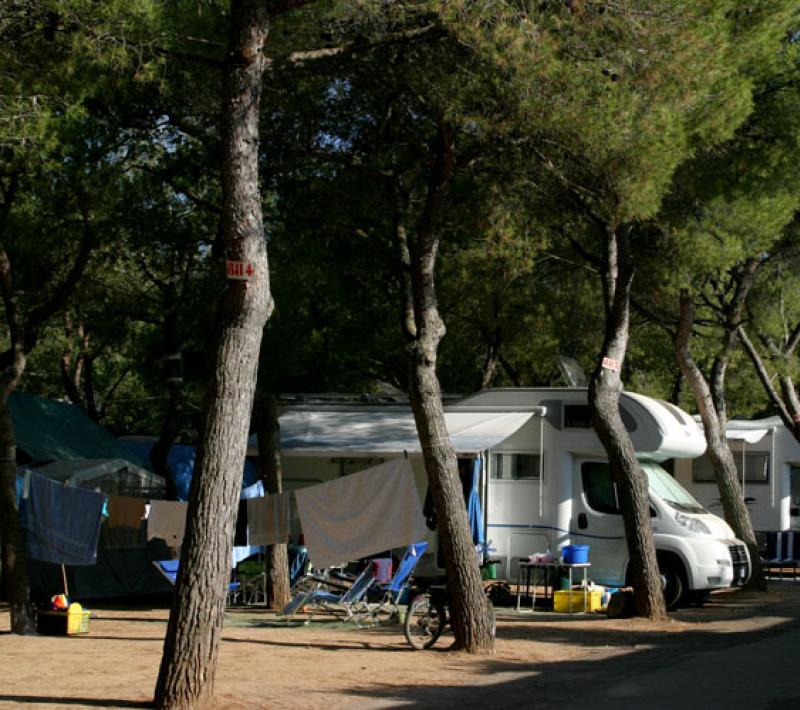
669 490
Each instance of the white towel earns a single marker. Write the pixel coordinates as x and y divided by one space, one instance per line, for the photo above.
268 519
361 514
167 520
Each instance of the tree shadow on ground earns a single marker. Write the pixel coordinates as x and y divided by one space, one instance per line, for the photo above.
76 702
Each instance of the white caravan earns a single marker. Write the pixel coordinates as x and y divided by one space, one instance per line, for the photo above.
767 457
546 481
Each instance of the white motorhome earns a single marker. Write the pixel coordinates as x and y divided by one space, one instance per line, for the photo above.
545 481
767 457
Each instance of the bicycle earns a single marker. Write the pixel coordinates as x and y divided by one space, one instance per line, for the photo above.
427 616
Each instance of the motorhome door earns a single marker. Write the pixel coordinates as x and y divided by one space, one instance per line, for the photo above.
597 521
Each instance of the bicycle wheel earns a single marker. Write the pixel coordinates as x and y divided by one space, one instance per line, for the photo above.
424 622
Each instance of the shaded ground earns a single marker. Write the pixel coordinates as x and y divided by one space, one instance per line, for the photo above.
544 660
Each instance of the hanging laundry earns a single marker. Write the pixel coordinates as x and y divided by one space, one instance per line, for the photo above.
62 523
268 519
361 514
125 511
167 520
240 534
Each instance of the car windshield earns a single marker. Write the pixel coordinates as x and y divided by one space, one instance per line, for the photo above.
670 491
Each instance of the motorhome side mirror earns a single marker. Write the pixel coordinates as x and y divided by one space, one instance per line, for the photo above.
583 521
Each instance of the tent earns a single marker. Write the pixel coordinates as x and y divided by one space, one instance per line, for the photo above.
55 431
60 441
180 460
109 476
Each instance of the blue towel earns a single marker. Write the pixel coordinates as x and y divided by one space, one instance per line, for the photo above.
62 523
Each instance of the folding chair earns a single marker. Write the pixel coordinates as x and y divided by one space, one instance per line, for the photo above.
385 598
169 570
783 551
345 602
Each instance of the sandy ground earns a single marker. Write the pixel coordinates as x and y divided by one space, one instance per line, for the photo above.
264 665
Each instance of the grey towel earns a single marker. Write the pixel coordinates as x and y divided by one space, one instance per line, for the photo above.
268 519
361 514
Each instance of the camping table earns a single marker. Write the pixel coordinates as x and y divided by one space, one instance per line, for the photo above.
526 570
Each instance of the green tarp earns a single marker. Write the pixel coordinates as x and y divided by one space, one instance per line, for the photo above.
54 431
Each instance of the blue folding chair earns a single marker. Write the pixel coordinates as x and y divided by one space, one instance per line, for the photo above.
169 570
345 602
384 599
783 552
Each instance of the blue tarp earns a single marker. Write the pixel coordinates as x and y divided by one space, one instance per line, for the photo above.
180 460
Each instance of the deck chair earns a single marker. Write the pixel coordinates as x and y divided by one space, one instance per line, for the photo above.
169 570
783 552
383 600
346 602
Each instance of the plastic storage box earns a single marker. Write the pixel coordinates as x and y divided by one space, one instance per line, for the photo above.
563 598
63 623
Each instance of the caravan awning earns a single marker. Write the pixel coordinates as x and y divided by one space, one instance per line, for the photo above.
381 432
749 436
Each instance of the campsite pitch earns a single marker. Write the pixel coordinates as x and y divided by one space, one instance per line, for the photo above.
542 659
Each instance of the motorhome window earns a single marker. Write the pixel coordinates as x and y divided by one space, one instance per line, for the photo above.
515 467
669 490
599 488
673 410
576 416
756 467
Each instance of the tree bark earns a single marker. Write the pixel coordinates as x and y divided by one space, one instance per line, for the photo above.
276 562
14 559
423 329
785 401
605 388
730 490
173 418
191 647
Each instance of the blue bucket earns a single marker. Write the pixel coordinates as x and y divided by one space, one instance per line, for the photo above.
575 554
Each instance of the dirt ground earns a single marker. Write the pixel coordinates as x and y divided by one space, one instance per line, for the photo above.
320 665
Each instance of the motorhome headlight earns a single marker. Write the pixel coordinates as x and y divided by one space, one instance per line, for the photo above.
693 524
724 563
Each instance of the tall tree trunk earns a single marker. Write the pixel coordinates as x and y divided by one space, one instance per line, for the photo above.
491 361
173 418
730 490
14 556
605 388
424 329
276 563
191 646
784 401
14 559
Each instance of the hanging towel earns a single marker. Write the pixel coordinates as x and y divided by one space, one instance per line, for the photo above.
361 514
167 520
125 511
268 519
62 523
